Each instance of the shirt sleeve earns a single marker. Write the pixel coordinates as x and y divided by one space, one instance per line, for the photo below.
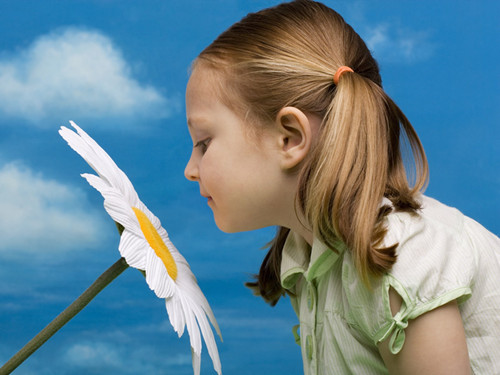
435 265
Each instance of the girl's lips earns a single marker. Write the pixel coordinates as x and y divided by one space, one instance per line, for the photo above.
209 198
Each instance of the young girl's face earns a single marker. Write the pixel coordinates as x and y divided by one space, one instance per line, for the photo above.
239 174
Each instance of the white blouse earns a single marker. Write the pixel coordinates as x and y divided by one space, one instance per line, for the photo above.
442 256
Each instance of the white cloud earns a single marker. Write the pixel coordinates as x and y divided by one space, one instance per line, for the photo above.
39 214
394 44
75 74
98 354
132 358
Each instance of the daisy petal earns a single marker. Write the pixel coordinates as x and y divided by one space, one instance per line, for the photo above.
157 276
175 314
115 204
203 303
208 336
100 161
103 168
133 249
77 144
196 362
192 326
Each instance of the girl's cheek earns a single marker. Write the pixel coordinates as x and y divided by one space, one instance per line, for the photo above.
203 167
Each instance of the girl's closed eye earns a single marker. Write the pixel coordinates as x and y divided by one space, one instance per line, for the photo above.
203 144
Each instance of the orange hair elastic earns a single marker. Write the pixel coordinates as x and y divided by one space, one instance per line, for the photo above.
339 72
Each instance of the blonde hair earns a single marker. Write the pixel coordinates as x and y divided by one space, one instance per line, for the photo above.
287 56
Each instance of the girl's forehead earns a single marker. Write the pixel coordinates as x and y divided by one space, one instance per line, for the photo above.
203 89
205 78
207 89
199 88
203 102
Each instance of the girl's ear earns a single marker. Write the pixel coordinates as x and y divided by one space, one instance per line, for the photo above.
296 131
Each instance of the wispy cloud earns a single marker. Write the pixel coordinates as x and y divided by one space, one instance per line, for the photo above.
75 74
102 356
98 354
390 39
396 44
40 214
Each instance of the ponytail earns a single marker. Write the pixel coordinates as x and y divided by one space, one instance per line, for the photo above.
267 283
355 164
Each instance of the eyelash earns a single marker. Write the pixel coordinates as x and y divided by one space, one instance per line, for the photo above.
203 145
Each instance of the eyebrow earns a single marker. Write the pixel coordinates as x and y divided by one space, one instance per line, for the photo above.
192 122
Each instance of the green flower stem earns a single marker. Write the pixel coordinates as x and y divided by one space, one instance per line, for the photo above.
102 281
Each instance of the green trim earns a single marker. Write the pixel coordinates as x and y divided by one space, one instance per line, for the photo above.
291 276
324 262
460 294
327 258
296 335
395 325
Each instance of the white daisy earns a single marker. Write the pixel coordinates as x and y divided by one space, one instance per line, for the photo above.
145 245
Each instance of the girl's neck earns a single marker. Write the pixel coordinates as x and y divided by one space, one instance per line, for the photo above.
300 225
305 233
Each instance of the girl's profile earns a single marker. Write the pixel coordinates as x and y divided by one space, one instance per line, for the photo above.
292 128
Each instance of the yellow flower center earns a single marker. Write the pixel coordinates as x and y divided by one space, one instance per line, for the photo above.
156 242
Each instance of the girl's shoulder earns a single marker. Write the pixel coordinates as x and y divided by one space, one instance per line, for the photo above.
439 245
441 255
435 253
434 218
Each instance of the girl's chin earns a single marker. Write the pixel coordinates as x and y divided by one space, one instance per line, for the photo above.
234 227
226 227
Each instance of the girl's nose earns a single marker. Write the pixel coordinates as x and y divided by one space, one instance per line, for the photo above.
191 170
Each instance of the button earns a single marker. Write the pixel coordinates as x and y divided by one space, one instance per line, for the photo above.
309 347
310 297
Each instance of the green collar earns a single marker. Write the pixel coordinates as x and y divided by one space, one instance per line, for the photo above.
301 259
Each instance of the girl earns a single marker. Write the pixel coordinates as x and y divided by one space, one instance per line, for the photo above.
291 127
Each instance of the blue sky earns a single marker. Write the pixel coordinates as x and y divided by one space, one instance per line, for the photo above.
119 70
